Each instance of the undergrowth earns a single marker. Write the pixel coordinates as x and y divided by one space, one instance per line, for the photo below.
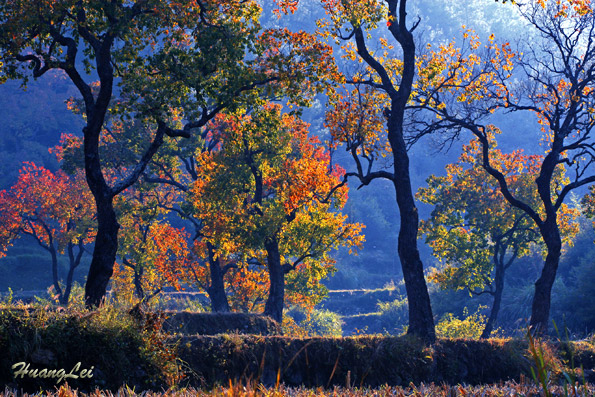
119 347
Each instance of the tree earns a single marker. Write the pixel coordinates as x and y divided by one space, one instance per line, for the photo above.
292 67
270 194
155 259
248 286
55 210
370 121
164 55
558 78
474 231
142 209
153 253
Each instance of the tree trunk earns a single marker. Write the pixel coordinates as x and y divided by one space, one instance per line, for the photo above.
74 262
55 278
69 277
421 319
499 281
540 311
106 239
138 282
216 289
104 252
275 300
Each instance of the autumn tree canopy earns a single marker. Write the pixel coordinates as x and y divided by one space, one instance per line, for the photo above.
167 59
270 194
557 74
56 210
474 231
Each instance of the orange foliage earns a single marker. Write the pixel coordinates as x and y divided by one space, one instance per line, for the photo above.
248 288
150 248
157 255
54 208
269 178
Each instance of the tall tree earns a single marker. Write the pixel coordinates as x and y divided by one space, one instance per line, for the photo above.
370 120
42 36
557 70
474 232
151 251
53 208
154 257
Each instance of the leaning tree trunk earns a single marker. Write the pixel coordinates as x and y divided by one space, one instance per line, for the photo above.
216 289
96 108
104 252
421 320
540 311
275 301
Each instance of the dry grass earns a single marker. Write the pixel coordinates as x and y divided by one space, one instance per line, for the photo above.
503 389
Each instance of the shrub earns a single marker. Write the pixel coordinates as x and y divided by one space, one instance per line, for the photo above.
470 326
394 315
317 322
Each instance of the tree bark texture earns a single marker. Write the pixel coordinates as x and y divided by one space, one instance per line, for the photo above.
104 252
216 289
540 309
421 319
275 300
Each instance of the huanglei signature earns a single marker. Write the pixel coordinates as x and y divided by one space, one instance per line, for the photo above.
22 369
